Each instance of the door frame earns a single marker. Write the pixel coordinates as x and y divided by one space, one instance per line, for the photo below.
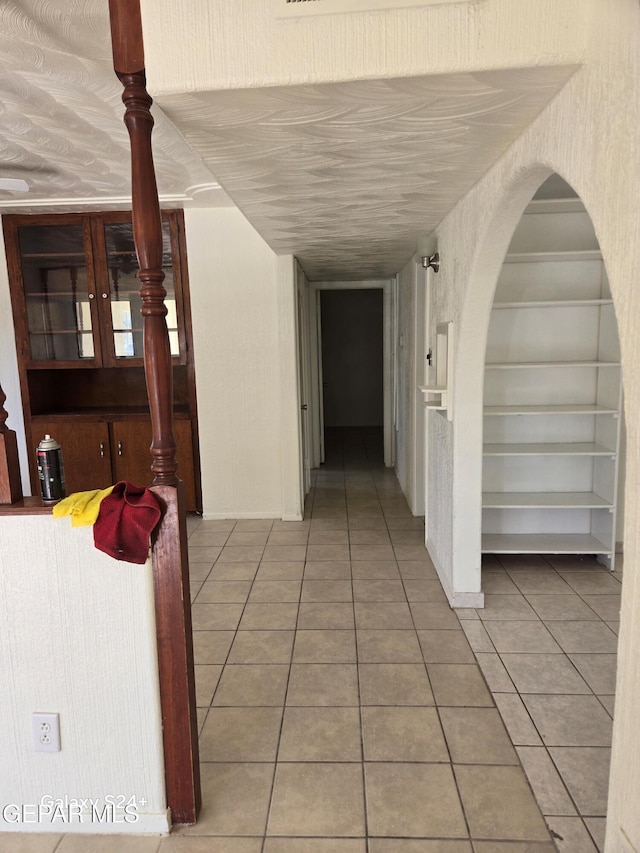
388 287
421 305
304 378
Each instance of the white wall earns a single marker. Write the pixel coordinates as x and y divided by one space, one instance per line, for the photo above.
588 134
243 314
77 637
242 44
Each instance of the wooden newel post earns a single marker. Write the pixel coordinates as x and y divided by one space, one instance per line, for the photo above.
10 483
147 232
170 562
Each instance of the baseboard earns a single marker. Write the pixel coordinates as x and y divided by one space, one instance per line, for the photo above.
455 599
230 515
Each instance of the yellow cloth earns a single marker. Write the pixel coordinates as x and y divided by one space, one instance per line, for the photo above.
83 507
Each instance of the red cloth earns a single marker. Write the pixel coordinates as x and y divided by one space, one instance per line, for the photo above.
125 522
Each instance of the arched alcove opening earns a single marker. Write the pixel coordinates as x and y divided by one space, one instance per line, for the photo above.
549 457
552 390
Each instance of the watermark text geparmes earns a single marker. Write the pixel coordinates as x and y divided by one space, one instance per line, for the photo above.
113 808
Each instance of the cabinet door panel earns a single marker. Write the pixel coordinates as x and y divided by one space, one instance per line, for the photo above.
132 459
85 453
56 275
119 289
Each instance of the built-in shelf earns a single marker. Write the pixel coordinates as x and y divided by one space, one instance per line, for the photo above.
38 255
80 294
562 409
555 205
550 469
543 543
434 397
541 257
54 332
544 500
527 365
567 449
554 303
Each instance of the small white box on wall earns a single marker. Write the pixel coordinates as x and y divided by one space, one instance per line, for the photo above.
439 396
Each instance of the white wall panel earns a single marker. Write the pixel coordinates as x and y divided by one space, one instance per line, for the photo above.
233 278
78 639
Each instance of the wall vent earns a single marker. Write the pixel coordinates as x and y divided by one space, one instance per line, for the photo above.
305 8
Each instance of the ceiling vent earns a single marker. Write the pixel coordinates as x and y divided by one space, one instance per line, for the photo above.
305 8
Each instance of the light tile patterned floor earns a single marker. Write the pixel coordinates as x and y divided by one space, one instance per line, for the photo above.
344 707
546 642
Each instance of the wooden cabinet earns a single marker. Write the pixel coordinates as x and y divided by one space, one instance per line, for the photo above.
130 454
97 453
553 393
86 454
75 289
76 307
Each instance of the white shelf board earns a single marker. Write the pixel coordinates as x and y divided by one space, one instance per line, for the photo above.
563 409
525 365
541 257
542 543
555 205
543 500
568 449
555 303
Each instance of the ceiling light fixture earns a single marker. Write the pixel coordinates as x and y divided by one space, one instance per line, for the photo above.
16 185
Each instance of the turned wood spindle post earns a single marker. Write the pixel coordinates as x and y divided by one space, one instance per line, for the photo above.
170 562
10 483
147 232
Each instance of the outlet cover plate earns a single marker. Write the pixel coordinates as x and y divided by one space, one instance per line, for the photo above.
45 729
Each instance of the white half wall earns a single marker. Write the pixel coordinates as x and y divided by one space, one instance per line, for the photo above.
77 638
243 314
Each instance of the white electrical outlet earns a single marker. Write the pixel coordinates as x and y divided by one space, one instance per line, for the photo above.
45 729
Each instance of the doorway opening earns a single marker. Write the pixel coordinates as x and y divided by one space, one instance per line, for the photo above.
352 362
351 345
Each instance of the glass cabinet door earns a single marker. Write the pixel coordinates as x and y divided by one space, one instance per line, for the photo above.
58 292
124 290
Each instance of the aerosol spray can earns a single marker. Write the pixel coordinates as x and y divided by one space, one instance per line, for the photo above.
50 469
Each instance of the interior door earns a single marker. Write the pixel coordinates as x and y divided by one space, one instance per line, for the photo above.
304 378
421 332
320 387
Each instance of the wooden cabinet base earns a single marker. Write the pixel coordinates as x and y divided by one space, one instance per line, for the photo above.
97 453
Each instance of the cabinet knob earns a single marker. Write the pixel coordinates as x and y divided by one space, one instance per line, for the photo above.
119 448
92 296
102 449
105 295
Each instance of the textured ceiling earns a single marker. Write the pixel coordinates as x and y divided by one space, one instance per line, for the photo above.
61 125
348 176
